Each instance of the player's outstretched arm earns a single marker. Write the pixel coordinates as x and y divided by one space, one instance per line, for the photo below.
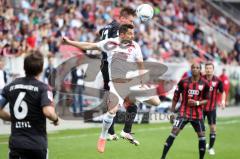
49 112
81 45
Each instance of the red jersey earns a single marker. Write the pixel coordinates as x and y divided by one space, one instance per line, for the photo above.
216 86
191 90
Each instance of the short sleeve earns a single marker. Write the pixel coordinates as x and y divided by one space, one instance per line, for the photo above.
206 91
46 96
220 87
178 91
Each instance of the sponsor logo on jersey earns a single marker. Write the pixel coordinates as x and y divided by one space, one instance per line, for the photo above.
200 87
214 84
193 92
211 88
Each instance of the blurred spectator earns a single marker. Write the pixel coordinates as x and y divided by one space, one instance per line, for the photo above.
49 73
226 84
237 95
3 75
78 76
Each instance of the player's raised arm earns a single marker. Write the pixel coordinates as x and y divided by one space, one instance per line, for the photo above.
81 45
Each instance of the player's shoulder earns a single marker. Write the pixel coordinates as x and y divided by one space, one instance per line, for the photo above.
185 80
204 81
14 82
135 44
112 40
216 78
43 86
113 25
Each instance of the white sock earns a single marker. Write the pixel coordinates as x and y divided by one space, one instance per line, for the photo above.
107 122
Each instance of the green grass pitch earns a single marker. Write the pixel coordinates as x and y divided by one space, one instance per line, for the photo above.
81 144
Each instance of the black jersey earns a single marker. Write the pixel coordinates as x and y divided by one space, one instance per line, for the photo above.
27 96
109 31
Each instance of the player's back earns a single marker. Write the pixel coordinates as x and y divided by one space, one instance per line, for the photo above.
110 30
26 98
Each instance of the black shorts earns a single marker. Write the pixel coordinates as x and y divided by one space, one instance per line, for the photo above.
28 154
197 124
211 116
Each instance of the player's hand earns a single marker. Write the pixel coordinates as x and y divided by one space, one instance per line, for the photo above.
172 118
56 122
223 105
65 39
192 102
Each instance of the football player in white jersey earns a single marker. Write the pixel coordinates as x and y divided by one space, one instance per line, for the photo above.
118 49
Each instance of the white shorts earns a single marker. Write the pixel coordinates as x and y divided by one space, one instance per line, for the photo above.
121 99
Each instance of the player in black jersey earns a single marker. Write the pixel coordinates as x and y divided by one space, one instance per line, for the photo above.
30 102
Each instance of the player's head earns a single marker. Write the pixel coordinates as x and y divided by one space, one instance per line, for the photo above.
209 68
196 69
127 15
33 64
126 32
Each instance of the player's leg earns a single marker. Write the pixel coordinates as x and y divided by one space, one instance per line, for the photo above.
111 132
153 101
199 127
177 127
131 112
212 136
111 100
38 154
14 154
27 154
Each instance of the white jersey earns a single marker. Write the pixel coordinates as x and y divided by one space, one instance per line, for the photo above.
119 54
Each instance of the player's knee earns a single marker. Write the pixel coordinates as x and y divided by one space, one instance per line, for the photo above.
113 110
175 131
213 128
132 109
201 134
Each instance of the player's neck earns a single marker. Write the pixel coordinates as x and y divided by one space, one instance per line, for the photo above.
195 78
37 77
209 77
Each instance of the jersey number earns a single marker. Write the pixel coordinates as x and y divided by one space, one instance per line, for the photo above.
176 123
105 34
20 108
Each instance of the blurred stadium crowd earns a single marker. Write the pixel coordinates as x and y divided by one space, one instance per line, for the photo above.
31 24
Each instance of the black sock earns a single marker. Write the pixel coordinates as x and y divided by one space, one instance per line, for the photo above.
212 138
202 147
167 145
129 118
111 129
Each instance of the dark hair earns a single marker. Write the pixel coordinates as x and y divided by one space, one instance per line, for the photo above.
200 66
126 11
33 64
124 28
209 64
